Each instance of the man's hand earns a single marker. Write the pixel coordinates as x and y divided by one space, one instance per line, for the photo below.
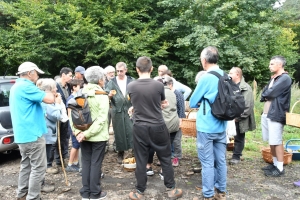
164 104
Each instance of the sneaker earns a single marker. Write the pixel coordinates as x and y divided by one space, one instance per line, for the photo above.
174 193
47 188
136 195
219 195
234 161
161 176
297 183
150 172
102 175
103 195
52 170
268 167
175 162
275 172
72 168
120 157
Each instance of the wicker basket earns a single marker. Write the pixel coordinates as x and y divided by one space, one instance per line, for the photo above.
188 126
267 156
293 119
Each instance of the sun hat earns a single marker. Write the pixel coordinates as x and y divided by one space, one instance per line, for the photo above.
80 69
29 66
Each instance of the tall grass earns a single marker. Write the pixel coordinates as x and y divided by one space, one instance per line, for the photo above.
254 142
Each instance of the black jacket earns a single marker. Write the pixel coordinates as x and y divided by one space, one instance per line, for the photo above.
280 96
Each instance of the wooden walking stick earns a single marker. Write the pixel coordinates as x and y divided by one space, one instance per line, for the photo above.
60 155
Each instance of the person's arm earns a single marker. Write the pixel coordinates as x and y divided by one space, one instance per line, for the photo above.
249 102
281 84
182 88
180 104
49 98
199 91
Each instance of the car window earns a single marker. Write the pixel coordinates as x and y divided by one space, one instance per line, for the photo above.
4 93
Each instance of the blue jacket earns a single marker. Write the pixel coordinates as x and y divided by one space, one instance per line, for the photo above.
207 88
52 113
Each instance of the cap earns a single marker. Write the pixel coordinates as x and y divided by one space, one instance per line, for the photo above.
80 69
28 66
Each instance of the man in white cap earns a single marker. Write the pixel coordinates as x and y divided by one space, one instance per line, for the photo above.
79 72
29 125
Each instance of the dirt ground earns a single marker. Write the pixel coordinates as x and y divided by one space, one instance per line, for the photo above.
244 181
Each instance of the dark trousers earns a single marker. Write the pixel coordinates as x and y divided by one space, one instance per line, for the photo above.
64 142
92 155
50 155
151 151
239 143
158 138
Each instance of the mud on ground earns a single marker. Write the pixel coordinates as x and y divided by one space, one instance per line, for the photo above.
244 181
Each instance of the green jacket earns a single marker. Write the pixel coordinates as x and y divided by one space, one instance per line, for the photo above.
247 119
170 112
99 105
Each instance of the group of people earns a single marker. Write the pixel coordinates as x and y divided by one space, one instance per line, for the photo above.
146 117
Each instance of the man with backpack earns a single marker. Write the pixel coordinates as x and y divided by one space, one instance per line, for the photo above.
211 134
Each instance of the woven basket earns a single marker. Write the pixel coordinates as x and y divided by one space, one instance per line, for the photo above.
293 119
267 156
188 126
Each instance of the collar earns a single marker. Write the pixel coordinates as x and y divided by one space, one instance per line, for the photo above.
215 67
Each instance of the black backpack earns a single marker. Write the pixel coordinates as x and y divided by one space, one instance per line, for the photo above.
80 110
229 103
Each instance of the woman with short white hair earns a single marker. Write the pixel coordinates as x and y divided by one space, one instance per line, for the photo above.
93 140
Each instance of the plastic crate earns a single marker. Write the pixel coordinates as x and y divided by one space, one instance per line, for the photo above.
294 148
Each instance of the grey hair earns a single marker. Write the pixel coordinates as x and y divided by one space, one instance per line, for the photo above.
168 80
210 54
94 74
198 76
46 84
108 68
281 59
121 64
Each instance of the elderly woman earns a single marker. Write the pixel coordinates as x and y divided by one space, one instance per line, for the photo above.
54 113
93 140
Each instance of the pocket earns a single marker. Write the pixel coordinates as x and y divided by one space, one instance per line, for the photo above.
160 135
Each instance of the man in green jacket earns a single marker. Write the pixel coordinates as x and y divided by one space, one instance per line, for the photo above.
247 121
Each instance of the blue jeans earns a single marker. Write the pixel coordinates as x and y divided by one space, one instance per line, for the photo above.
32 169
212 154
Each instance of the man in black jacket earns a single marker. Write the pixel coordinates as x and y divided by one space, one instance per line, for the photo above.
277 96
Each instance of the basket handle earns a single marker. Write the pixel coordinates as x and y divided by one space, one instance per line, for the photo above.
290 141
294 105
187 116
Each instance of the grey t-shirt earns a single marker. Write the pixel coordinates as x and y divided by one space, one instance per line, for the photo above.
146 96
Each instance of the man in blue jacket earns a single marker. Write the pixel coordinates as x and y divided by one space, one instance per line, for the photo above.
277 97
211 134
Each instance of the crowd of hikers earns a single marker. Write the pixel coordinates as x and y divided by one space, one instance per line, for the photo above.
146 116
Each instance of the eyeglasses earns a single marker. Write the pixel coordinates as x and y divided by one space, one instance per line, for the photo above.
120 71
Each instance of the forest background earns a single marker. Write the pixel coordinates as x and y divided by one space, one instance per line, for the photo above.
67 33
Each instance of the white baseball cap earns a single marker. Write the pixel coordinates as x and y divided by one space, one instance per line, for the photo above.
29 66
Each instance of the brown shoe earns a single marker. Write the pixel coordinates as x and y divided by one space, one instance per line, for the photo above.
219 195
136 195
23 197
174 193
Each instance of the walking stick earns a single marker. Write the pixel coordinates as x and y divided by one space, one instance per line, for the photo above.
60 155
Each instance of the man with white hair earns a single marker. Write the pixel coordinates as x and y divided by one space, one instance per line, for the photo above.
177 85
109 73
29 125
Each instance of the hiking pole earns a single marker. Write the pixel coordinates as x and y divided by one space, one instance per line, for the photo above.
60 155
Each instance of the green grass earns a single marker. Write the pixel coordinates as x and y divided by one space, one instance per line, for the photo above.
254 142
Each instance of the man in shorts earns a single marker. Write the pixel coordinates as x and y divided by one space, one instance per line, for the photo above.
277 96
149 129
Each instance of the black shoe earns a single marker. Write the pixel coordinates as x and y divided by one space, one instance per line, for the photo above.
150 172
103 195
275 172
268 167
120 157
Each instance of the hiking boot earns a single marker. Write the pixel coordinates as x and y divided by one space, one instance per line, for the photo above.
175 162
72 168
275 172
198 187
47 188
268 167
120 157
102 196
219 195
23 197
150 172
52 170
136 195
174 193
234 161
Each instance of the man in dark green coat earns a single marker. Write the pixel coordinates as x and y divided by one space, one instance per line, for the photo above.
247 121
120 103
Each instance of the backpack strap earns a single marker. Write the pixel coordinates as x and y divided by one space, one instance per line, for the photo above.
98 92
